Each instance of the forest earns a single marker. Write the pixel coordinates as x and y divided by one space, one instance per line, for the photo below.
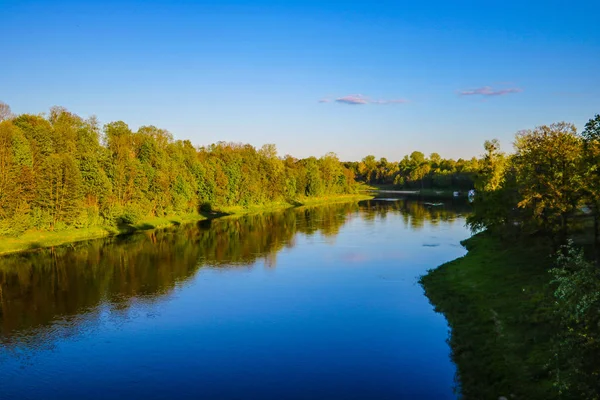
60 171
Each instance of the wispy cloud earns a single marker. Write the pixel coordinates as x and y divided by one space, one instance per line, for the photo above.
359 99
489 91
353 99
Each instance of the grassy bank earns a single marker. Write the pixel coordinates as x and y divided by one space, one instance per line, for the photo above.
31 240
497 302
308 201
315 201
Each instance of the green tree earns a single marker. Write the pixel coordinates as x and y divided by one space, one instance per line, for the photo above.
60 189
332 173
492 167
121 169
367 168
314 181
435 159
417 158
549 176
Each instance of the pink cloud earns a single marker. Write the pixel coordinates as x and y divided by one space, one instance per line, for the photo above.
353 99
489 91
359 99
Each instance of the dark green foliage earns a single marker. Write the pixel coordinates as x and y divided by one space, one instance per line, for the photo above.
578 307
417 172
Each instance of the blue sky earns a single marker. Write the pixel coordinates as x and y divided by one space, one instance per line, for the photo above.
353 77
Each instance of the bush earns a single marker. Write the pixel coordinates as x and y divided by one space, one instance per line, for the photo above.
578 306
206 207
111 213
132 215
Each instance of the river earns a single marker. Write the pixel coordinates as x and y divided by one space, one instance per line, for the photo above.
307 303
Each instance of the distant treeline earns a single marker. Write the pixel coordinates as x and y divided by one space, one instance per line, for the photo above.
417 172
60 170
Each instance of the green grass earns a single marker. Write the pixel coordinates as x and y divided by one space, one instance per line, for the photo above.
252 209
38 239
34 239
498 301
165 222
314 201
301 202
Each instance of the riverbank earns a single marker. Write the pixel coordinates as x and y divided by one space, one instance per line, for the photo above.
303 202
497 301
421 193
32 240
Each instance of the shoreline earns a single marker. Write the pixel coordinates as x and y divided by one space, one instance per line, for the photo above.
428 193
34 240
497 302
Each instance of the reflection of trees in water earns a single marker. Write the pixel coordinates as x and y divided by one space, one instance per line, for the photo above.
65 281
414 214
241 240
38 287
70 282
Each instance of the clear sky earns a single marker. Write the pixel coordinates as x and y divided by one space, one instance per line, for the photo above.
353 77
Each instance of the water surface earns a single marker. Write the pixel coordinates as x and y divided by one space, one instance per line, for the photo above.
310 303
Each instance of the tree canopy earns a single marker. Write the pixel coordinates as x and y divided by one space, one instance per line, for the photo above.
60 170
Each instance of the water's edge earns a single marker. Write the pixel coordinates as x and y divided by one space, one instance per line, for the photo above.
40 240
498 331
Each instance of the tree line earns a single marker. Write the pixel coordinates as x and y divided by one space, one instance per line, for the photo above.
415 171
60 170
548 190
